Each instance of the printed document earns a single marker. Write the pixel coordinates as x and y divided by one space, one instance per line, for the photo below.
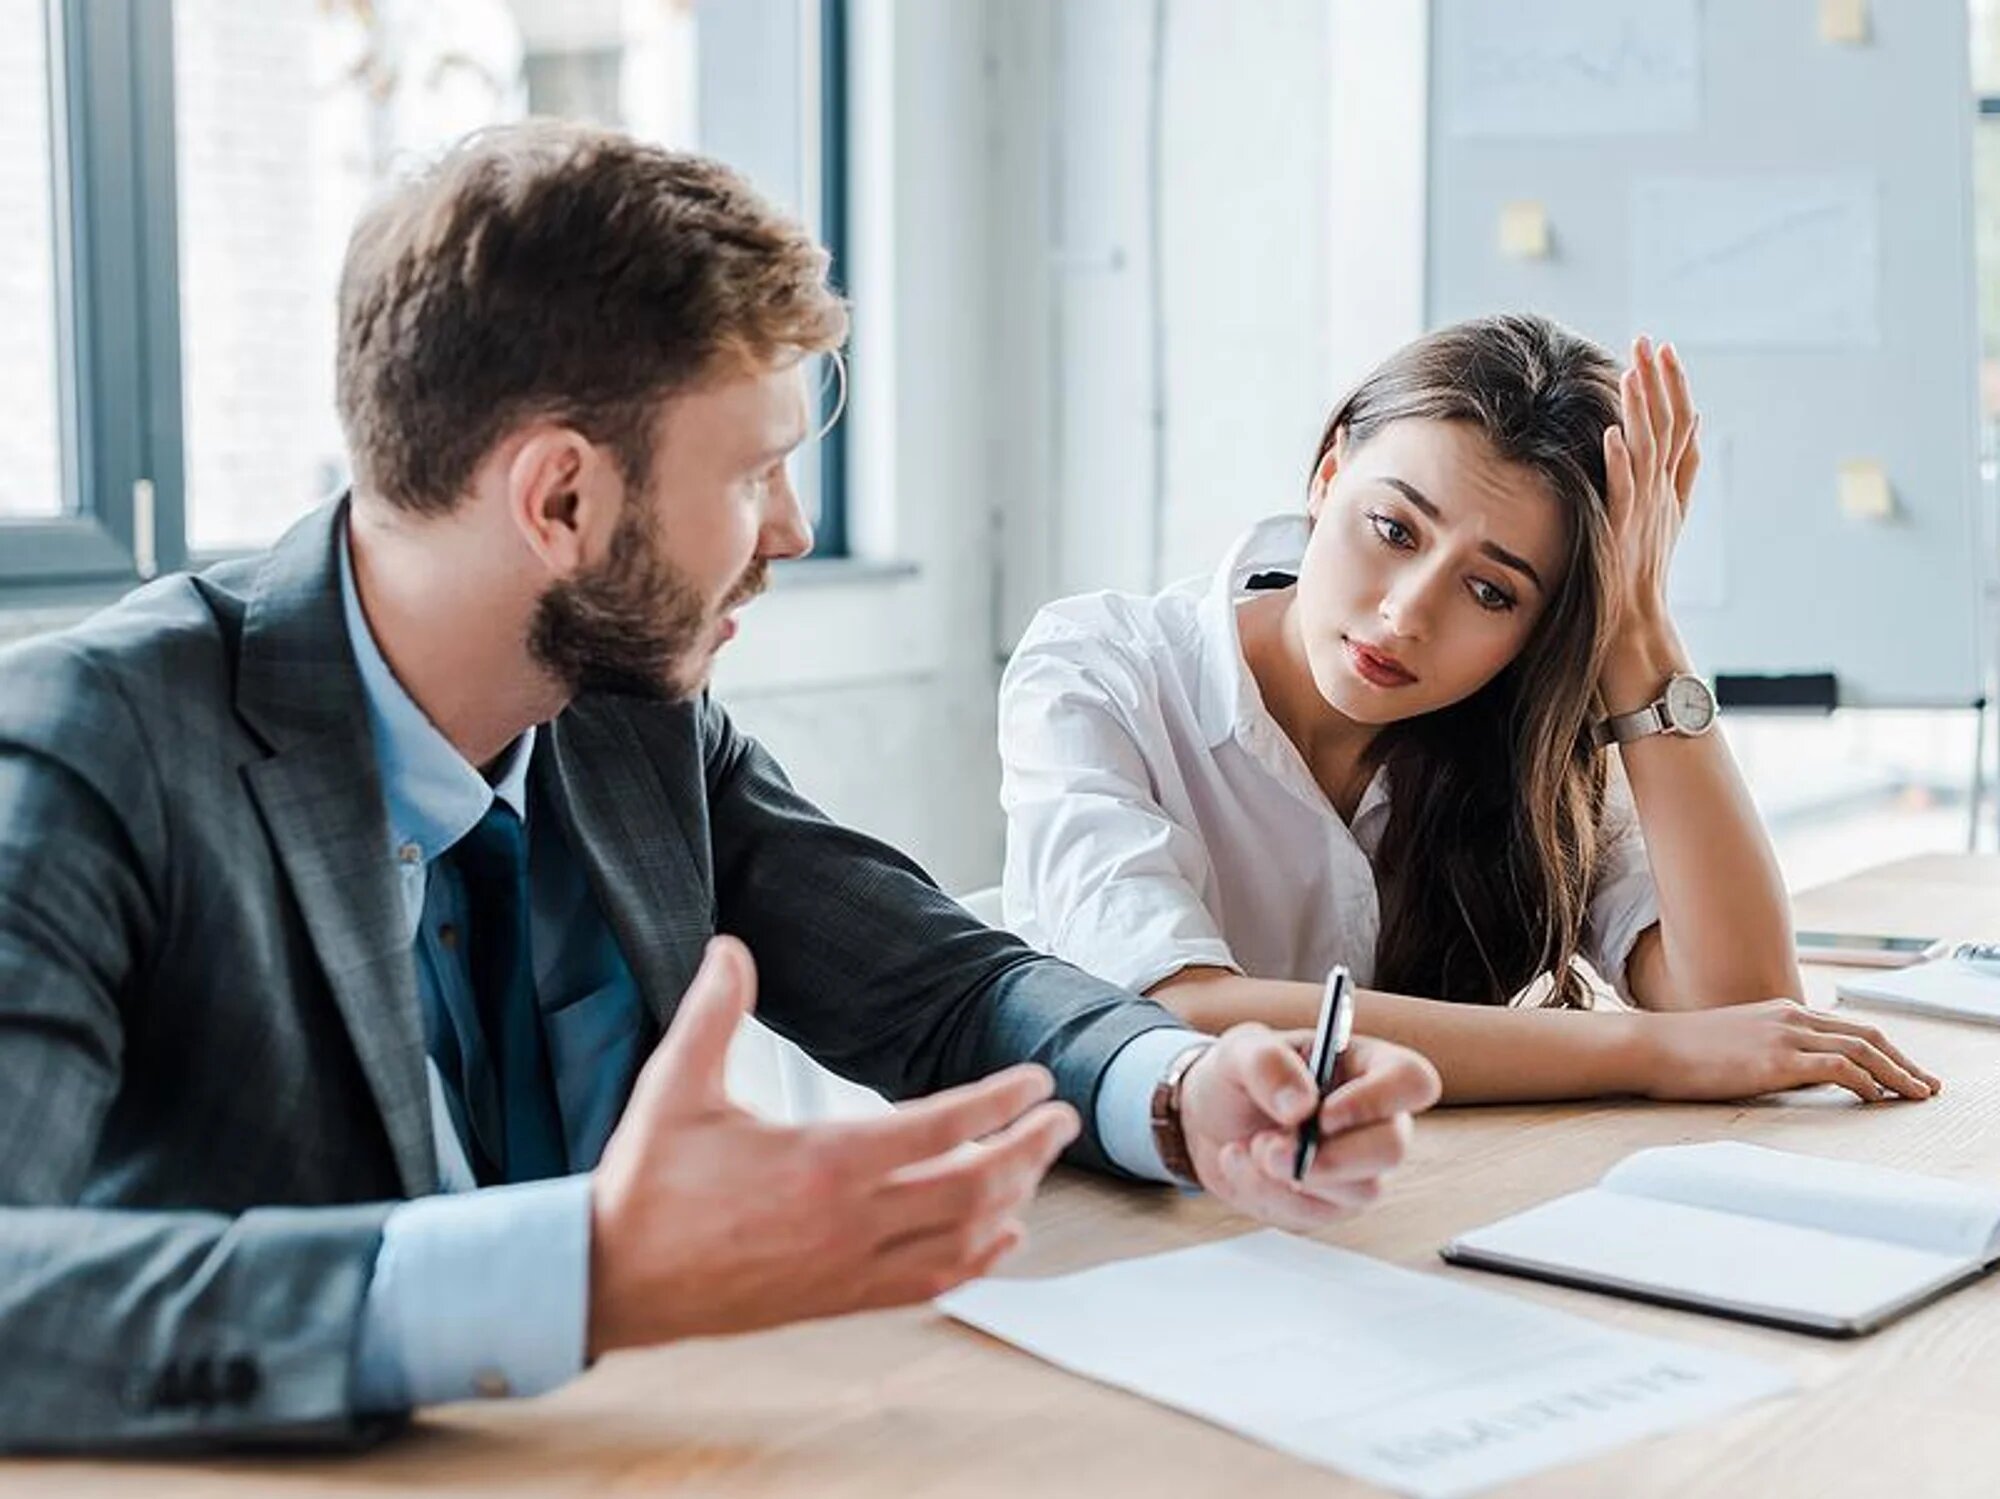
1413 1382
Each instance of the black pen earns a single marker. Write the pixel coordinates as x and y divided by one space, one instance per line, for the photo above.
1336 1026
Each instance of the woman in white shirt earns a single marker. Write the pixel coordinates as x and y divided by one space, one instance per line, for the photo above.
1374 739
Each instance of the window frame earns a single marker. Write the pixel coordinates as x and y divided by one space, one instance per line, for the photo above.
118 300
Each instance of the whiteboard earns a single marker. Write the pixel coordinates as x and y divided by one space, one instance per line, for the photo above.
1795 214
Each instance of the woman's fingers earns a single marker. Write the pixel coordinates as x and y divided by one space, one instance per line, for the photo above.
1660 410
1689 466
1884 1070
1637 420
1680 400
1875 1038
1618 476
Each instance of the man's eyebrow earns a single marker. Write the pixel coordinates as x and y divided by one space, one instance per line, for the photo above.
1494 550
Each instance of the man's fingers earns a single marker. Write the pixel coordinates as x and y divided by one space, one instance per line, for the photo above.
994 1176
1382 1080
688 1062
1270 1070
1246 1186
930 1126
1355 1155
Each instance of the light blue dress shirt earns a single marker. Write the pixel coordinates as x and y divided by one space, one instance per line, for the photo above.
485 1293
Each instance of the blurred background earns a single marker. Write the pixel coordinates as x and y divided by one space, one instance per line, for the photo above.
1112 262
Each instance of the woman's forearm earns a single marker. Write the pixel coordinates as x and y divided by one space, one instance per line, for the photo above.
1484 1054
1725 920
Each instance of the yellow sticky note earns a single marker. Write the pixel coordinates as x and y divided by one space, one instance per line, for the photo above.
1843 21
1524 231
1864 490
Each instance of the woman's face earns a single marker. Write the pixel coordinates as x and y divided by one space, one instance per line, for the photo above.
1430 561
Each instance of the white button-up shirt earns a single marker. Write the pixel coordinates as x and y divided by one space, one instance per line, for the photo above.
1158 818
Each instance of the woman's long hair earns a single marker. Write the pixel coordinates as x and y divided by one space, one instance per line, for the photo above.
1487 863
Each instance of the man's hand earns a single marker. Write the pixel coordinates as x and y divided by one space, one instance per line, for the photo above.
706 1220
1242 1105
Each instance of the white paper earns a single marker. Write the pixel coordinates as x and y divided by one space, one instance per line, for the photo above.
1410 1381
1948 987
1812 1191
1757 262
1699 577
1532 68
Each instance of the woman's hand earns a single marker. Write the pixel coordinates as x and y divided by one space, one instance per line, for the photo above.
1706 1056
1650 459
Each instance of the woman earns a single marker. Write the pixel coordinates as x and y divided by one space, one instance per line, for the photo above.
1413 730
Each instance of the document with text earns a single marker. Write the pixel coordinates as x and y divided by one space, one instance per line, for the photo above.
1410 1381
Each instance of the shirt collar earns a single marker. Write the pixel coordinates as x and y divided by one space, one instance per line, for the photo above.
435 795
1229 699
1229 696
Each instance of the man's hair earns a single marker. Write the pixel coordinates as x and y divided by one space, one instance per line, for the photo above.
555 271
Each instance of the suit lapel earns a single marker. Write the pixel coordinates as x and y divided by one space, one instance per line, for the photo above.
631 841
321 798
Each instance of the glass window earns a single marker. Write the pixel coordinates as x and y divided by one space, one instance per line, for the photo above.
30 419
292 112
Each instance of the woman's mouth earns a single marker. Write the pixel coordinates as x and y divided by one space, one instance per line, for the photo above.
1375 667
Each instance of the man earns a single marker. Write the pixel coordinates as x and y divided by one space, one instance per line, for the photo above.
377 865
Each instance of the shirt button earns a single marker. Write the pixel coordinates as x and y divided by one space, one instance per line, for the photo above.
491 1384
409 853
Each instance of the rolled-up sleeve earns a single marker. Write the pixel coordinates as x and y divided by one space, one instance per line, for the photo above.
1624 900
1097 871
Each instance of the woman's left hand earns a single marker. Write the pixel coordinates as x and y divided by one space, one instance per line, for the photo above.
1650 458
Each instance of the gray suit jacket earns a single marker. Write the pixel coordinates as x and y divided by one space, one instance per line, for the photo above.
212 1084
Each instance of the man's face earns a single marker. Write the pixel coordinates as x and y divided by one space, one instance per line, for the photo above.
690 549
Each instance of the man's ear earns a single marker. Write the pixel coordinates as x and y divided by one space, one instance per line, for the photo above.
563 496
1323 476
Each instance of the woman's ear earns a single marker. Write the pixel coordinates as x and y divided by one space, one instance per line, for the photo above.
1323 476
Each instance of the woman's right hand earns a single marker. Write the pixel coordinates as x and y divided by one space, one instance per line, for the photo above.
1743 1050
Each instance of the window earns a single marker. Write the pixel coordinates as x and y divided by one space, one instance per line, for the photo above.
30 432
203 297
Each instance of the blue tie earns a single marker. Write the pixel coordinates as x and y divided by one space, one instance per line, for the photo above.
493 861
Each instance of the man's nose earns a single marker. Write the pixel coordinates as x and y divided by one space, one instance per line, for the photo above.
786 531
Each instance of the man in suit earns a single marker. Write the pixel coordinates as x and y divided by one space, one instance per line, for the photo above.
362 999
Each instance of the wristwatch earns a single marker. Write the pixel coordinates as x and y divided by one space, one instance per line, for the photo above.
1169 1138
1685 706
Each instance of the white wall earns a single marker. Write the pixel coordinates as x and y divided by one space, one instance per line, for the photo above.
1288 167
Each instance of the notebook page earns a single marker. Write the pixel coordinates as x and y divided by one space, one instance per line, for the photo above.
1721 1259
1809 1191
1411 1381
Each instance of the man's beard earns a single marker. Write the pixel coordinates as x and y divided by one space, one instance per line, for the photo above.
634 624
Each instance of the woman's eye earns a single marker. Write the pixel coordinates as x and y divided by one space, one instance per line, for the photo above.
1392 531
1490 597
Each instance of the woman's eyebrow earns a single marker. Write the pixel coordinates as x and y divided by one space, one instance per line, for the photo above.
1492 549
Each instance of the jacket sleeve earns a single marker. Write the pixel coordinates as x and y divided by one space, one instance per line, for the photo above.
866 964
118 1327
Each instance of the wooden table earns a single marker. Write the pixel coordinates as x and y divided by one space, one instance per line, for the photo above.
907 1403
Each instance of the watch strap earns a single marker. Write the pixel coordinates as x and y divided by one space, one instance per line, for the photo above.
1169 1136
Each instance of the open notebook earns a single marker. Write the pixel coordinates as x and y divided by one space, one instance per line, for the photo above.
1797 1241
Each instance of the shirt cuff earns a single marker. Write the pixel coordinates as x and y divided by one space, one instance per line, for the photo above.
477 1294
1125 1099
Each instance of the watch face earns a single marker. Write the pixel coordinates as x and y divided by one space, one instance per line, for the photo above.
1690 705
